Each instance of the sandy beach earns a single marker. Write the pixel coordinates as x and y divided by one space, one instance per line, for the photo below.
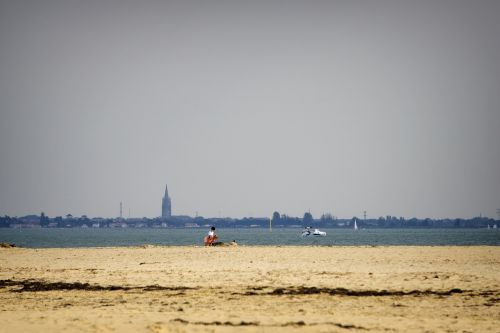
250 289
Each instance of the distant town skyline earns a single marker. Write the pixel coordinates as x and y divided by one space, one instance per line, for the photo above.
166 214
246 108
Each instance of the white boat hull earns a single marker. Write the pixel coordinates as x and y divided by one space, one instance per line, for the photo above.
315 233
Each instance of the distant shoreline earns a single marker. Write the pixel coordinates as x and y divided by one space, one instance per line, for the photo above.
277 221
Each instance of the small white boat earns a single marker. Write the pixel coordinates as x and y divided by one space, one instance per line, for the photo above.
355 225
315 232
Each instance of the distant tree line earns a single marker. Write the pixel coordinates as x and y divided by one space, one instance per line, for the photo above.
277 220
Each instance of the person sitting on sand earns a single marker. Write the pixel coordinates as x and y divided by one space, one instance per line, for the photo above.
211 237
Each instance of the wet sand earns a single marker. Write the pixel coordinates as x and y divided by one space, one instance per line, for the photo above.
250 289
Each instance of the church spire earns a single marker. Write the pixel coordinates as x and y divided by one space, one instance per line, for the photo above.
166 205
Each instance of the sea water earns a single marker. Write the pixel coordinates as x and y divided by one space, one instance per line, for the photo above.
89 237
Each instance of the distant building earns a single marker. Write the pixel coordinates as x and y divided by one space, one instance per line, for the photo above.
166 205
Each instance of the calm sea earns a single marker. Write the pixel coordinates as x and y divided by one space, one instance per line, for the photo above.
39 238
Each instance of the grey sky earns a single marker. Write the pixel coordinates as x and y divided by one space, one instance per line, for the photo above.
246 107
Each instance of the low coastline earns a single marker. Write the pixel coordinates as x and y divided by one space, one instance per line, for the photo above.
251 288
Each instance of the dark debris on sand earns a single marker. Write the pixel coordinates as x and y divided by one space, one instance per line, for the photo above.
32 285
216 323
346 292
256 323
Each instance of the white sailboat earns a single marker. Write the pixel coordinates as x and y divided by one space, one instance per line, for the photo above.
355 225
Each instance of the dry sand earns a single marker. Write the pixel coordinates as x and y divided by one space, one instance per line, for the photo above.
250 289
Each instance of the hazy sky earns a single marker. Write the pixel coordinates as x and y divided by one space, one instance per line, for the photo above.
246 107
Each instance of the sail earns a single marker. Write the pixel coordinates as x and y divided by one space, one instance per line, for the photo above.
355 225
